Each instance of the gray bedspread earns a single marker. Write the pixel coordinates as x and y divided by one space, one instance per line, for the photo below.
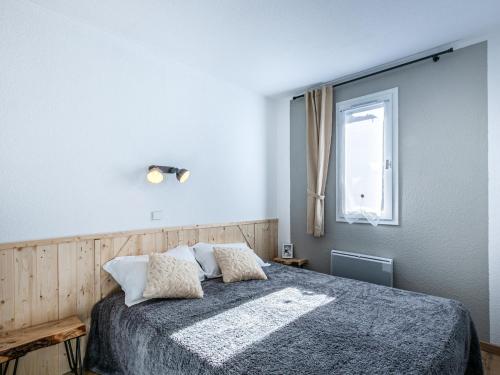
297 322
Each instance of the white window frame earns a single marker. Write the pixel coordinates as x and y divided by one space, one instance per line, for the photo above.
391 195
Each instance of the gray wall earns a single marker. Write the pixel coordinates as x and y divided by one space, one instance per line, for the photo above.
440 246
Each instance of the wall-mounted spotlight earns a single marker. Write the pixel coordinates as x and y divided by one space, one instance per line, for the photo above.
156 173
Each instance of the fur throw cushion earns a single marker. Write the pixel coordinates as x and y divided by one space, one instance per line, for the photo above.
169 277
238 265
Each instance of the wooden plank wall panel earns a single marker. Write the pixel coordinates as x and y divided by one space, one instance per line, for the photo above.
56 278
160 243
85 280
265 244
68 286
107 282
172 239
85 283
25 267
233 234
67 266
216 235
97 270
24 271
7 290
148 244
273 249
46 296
121 246
248 231
188 237
45 305
203 235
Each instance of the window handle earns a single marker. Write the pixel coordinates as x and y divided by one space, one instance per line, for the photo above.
388 164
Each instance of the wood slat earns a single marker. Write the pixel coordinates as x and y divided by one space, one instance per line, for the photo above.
160 243
491 362
121 246
203 234
46 303
46 296
147 244
24 272
107 282
46 361
172 239
248 231
216 235
7 290
273 250
68 286
264 244
85 280
97 270
233 234
188 237
67 266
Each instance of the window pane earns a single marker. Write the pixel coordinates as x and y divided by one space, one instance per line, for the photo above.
364 159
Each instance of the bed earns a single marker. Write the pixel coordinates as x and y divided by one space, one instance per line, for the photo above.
298 321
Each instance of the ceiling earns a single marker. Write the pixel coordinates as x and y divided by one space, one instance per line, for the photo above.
274 46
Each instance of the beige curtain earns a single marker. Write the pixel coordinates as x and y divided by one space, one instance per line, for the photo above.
319 117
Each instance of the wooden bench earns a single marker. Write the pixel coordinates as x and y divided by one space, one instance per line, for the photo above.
15 344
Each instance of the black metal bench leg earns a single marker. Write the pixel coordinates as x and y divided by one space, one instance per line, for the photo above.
74 358
69 355
15 367
79 355
5 367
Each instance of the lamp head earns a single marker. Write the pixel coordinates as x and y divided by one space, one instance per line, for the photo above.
182 175
155 175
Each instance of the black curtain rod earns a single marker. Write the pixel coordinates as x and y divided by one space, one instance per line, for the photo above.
434 57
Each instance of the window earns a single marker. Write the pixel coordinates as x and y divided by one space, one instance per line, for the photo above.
367 159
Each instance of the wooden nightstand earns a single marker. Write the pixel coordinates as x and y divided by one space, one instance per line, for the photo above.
297 262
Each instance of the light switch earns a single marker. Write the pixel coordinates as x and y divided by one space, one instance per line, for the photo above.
156 215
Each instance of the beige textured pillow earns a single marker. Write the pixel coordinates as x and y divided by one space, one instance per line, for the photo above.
238 265
169 277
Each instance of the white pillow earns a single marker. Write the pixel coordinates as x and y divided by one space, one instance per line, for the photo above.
204 254
131 272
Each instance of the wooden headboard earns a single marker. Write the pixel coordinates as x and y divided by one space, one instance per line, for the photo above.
52 279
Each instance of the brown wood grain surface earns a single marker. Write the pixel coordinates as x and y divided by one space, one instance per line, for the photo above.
17 343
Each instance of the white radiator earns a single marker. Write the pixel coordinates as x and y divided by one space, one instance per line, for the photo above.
362 267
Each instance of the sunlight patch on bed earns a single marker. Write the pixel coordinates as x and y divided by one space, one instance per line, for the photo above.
222 336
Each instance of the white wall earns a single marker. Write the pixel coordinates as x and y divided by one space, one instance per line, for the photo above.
494 182
280 120
82 115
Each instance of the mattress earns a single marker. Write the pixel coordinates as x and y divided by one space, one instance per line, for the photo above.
296 322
